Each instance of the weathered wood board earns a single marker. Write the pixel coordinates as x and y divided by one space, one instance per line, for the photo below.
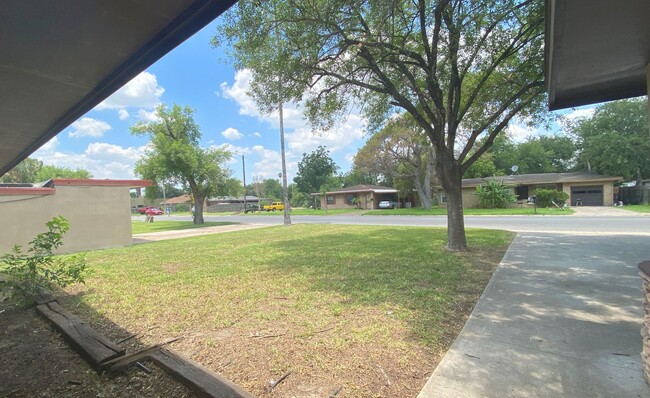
202 381
91 345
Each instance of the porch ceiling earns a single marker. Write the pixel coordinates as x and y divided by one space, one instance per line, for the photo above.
59 59
596 50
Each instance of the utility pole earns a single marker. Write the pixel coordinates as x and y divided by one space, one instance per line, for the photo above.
285 196
243 166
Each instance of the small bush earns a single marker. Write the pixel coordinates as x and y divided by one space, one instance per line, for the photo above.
27 274
546 197
182 207
495 195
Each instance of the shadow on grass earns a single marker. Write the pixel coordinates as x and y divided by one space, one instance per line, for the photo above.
405 269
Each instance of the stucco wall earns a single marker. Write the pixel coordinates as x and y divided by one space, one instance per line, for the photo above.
99 217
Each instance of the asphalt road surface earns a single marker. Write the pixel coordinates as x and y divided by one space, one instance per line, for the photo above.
573 224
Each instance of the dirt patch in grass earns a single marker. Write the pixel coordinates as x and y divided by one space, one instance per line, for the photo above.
36 362
365 311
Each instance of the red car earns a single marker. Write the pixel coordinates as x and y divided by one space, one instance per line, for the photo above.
152 211
143 210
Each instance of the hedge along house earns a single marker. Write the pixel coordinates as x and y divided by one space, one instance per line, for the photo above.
98 212
584 189
366 197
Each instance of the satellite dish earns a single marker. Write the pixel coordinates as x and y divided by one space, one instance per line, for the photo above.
514 168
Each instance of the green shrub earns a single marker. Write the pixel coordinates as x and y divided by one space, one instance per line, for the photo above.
28 274
182 207
495 195
546 197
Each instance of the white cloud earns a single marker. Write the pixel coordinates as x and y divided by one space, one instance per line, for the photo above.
103 160
269 163
148 116
141 92
341 137
232 134
88 127
239 93
300 137
49 146
579 114
520 133
258 135
122 114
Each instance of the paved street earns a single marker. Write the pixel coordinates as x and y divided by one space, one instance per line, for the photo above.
576 224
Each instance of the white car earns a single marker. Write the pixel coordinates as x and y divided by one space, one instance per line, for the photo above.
385 204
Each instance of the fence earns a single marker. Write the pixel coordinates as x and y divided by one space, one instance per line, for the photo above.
635 195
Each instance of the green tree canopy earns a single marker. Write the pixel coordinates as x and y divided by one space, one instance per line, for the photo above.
174 155
33 170
403 152
615 141
25 171
49 171
462 69
314 169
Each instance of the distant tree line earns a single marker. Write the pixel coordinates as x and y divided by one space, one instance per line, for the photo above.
33 170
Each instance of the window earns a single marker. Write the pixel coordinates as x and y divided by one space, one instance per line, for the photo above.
443 197
331 200
350 199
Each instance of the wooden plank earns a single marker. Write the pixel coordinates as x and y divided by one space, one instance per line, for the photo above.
125 361
202 381
91 345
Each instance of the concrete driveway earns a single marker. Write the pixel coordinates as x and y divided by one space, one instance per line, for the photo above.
561 317
602 211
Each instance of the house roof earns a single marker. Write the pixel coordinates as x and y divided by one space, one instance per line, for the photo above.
49 187
361 188
596 50
62 58
541 178
249 198
177 199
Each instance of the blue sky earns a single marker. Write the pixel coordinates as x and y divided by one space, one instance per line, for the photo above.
197 75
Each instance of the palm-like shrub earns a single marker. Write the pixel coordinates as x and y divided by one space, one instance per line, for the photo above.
495 195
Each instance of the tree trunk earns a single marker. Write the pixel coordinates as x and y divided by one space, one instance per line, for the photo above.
450 179
285 196
197 215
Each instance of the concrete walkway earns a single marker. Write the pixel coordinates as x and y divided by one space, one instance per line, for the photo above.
186 233
604 211
561 317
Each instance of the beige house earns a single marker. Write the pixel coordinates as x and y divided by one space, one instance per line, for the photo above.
98 212
584 189
365 197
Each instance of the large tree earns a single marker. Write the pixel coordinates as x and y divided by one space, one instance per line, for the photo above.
401 150
314 169
48 172
462 69
24 171
174 155
615 139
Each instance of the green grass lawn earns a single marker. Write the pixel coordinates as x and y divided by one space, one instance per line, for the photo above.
637 208
441 211
139 227
330 303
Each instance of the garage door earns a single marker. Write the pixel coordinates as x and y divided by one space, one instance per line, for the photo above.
589 196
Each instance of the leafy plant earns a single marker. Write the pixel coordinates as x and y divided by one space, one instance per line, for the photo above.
546 197
28 274
495 195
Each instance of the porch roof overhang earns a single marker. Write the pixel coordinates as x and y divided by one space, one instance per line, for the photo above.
596 50
62 58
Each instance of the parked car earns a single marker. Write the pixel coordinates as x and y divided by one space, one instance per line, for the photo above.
250 207
154 211
386 204
143 209
274 206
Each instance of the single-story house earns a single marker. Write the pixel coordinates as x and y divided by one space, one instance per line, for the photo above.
98 212
362 196
229 203
583 188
